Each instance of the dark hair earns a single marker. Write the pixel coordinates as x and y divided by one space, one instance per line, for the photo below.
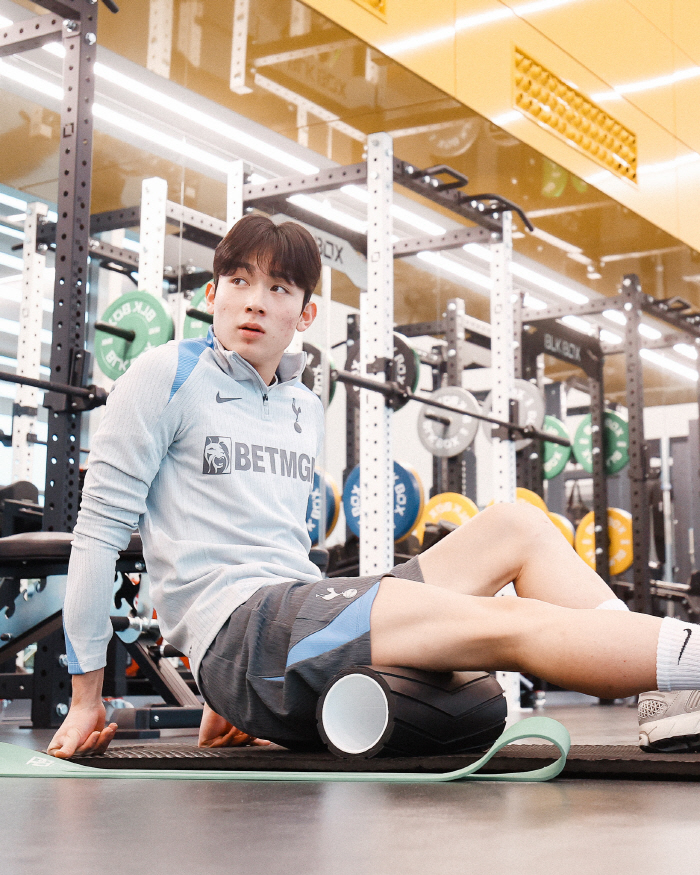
286 251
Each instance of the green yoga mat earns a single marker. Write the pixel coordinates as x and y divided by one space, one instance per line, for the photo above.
19 762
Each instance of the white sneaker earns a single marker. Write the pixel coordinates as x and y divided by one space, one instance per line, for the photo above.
669 722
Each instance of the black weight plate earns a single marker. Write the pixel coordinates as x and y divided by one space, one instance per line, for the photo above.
406 369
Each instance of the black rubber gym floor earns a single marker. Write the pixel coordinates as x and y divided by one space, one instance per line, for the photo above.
573 826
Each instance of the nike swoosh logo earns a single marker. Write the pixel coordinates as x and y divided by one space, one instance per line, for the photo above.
688 633
220 400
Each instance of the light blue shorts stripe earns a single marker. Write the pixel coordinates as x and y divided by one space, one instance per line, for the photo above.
348 625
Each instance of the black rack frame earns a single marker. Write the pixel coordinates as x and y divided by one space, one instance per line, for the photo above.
633 302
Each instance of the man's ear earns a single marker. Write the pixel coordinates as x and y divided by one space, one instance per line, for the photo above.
209 294
308 314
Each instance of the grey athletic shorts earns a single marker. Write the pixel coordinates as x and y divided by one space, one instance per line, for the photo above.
269 663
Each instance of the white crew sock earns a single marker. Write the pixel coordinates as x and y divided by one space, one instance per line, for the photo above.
612 605
678 656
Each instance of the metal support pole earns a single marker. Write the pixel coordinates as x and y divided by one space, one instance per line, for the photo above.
600 485
326 297
454 467
70 290
631 289
160 37
666 490
234 193
154 198
503 367
352 411
28 347
376 355
239 47
502 361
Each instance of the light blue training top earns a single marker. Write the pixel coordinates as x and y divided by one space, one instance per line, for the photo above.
216 469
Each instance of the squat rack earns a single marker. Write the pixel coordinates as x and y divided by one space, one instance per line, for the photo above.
632 302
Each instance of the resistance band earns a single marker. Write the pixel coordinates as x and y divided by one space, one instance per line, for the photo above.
18 762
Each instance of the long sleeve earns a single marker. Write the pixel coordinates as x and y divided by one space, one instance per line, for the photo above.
136 431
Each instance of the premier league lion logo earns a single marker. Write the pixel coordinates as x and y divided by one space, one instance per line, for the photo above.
217 455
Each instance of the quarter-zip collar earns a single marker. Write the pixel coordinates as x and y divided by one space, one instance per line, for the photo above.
289 369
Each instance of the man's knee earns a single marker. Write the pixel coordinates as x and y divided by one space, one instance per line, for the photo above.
519 522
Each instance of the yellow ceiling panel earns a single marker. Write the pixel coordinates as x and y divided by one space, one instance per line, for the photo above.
658 12
638 52
686 27
687 102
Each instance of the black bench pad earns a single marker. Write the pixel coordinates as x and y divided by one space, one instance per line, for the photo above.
52 548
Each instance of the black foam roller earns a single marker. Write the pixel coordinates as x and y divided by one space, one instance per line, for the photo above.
407 712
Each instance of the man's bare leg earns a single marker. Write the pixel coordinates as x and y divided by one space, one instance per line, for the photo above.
609 654
513 542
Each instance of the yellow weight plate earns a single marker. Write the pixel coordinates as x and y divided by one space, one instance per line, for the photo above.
449 506
619 536
564 525
527 496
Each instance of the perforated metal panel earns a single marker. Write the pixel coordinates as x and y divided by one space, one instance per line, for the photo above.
71 283
376 319
160 37
239 45
234 193
31 313
154 196
502 361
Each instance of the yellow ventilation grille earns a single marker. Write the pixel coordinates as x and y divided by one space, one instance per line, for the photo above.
376 6
544 98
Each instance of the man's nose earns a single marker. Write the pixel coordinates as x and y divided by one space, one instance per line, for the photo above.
256 300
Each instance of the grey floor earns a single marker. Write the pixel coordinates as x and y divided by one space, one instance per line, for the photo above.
158 828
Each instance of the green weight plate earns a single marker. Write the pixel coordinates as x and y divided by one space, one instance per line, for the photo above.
555 455
140 312
313 376
193 328
616 443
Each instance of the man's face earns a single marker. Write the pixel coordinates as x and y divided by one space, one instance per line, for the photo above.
256 316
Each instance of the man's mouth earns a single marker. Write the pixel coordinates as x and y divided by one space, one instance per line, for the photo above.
251 327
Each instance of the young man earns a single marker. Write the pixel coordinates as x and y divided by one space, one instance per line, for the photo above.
210 447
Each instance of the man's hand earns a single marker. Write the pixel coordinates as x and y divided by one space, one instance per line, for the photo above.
215 731
83 731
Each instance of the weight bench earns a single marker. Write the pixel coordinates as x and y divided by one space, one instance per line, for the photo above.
33 570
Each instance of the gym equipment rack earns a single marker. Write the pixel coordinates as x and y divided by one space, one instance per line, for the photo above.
632 302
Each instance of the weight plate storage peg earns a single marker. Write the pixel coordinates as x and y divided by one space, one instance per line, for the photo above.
530 409
191 327
408 500
313 508
447 434
313 376
406 370
140 312
616 443
619 537
555 455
